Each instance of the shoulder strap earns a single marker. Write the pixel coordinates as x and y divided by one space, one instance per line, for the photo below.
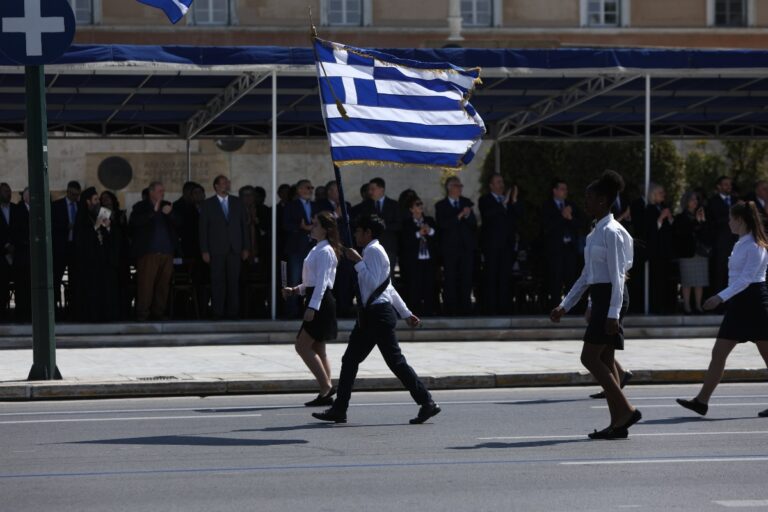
377 292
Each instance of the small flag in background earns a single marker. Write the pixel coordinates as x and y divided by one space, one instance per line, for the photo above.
384 110
174 9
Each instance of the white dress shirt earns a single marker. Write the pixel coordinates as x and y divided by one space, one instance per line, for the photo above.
607 259
746 265
371 272
318 272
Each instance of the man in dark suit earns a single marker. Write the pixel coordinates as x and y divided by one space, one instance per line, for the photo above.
388 209
22 259
357 210
155 240
760 197
63 218
224 242
718 214
297 223
457 229
501 214
8 223
418 258
185 210
561 224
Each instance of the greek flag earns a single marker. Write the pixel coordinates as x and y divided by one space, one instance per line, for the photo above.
174 9
380 109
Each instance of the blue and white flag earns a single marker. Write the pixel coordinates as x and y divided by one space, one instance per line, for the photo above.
380 109
174 9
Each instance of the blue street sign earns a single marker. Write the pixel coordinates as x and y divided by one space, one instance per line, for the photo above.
35 32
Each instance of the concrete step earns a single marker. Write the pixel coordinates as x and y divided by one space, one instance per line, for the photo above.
434 330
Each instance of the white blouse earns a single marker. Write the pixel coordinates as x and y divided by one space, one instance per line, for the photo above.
318 272
607 259
746 265
371 273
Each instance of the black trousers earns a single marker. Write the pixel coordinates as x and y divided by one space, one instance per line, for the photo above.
497 267
420 284
457 281
379 330
225 284
563 271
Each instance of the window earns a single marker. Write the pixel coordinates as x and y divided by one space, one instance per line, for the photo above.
477 13
83 11
603 13
730 13
345 12
211 12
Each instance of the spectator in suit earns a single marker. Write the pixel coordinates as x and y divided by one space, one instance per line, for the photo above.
418 258
22 260
357 210
457 228
119 230
97 257
690 244
63 217
224 242
388 209
297 225
344 289
718 214
501 214
185 209
264 214
561 223
8 242
760 197
154 226
659 237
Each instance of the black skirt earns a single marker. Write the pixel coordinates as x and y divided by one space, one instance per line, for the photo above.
601 303
323 327
746 315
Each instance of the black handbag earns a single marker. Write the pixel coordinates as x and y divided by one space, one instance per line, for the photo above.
375 295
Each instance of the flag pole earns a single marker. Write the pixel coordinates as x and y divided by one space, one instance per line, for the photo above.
347 234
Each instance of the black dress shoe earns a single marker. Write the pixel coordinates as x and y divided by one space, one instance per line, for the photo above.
331 415
763 414
610 433
426 412
636 416
694 405
325 400
624 380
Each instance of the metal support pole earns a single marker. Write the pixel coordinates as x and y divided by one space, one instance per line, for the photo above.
273 300
647 178
43 320
189 160
497 157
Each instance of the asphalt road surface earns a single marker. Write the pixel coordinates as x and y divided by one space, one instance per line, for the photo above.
503 449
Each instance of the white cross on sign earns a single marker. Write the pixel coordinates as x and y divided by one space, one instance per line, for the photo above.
33 26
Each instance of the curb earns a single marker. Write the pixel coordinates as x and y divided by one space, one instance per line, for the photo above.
71 390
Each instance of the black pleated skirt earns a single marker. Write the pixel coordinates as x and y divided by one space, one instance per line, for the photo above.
323 327
601 303
746 315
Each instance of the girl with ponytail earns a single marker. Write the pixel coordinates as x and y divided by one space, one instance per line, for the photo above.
746 299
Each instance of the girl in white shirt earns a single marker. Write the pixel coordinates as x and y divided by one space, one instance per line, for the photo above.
318 275
607 260
746 298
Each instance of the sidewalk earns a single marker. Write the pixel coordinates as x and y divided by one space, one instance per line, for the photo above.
209 370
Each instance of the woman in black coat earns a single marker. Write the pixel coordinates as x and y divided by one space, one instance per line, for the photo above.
691 250
418 255
659 236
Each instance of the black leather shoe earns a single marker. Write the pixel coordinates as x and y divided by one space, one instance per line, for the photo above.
624 380
636 416
426 412
322 400
331 415
694 405
763 414
610 433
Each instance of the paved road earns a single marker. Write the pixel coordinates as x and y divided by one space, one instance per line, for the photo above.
503 449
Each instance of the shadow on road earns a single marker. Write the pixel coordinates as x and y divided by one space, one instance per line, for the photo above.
690 419
245 409
522 444
194 441
541 401
316 426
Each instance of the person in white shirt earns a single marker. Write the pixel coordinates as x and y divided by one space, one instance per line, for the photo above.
376 325
317 277
608 258
745 298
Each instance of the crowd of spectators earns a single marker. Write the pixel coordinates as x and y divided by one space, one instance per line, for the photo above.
210 257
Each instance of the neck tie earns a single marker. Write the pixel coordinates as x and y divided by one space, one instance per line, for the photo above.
559 205
225 208
455 203
499 199
728 200
307 211
378 207
72 213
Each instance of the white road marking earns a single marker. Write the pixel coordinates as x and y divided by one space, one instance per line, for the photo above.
144 418
742 503
644 434
662 461
668 406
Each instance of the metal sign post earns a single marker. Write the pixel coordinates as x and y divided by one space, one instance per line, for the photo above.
33 34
